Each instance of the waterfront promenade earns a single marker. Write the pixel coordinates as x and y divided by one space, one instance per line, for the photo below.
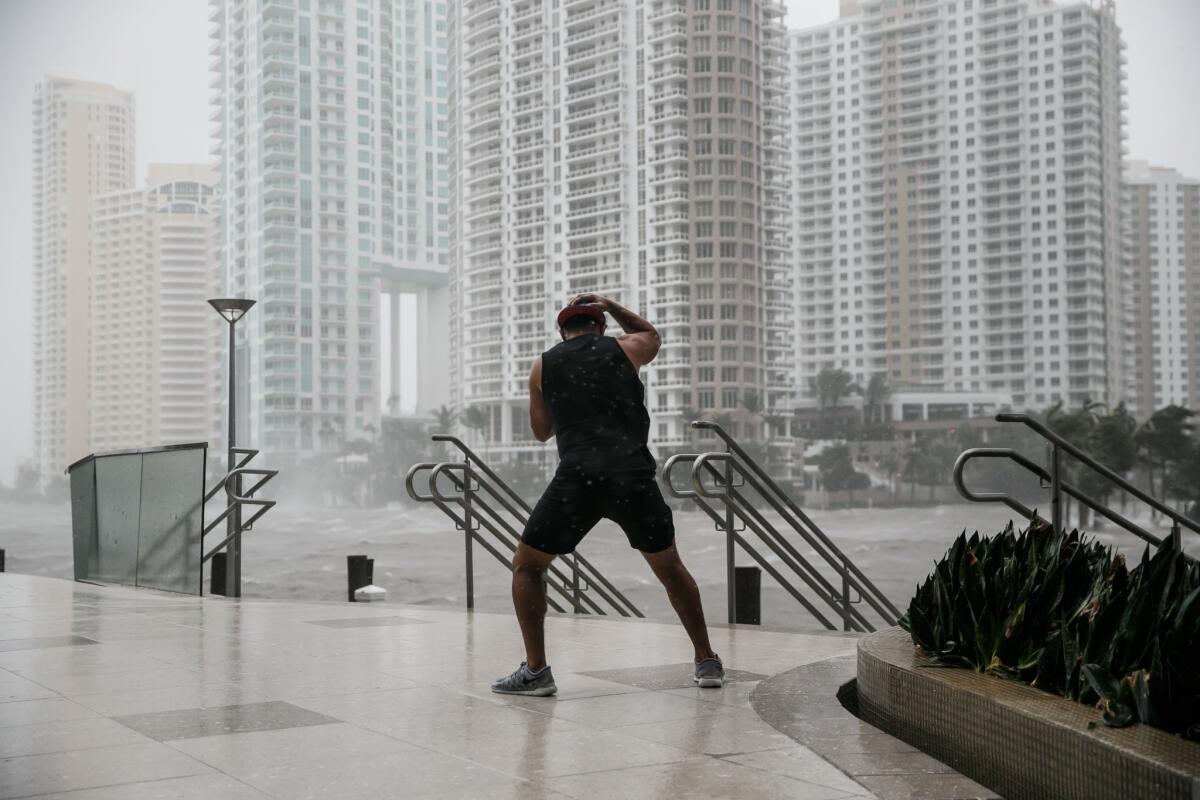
108 692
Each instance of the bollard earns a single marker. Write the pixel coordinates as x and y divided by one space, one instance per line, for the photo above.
217 578
1 559
359 573
747 590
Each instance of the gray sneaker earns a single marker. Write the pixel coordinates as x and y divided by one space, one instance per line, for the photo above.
525 681
710 673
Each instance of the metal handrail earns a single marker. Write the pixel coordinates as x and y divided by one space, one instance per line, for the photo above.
739 508
791 506
596 576
441 501
1016 505
1059 442
236 501
1058 486
219 485
476 507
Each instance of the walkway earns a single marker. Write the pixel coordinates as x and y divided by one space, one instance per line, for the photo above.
116 693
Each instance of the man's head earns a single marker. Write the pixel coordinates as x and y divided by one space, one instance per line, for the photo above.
581 318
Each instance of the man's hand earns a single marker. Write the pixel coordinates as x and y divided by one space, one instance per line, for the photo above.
641 340
597 299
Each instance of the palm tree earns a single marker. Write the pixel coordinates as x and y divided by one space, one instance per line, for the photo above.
477 419
444 417
1113 443
829 387
752 402
892 464
725 420
1164 439
874 396
1076 427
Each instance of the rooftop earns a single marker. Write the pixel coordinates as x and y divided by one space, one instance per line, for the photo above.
109 692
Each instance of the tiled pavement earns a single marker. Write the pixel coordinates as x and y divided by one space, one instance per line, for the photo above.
117 693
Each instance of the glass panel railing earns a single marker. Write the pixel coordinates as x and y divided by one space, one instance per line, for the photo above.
137 517
113 558
83 515
171 520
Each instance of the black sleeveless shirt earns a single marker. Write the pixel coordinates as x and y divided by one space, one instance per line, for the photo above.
598 405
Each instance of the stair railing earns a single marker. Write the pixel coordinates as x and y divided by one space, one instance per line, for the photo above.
1052 478
481 502
737 470
237 498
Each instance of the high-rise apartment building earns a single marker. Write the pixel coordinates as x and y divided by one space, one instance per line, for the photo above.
957 191
329 119
1162 293
83 145
634 149
153 335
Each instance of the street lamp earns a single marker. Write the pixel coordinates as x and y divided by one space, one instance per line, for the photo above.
231 310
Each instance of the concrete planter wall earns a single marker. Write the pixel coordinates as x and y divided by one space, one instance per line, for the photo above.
1023 743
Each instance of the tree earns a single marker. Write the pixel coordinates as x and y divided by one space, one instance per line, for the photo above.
829 387
725 420
837 470
875 395
891 463
477 420
1076 427
1113 443
1183 481
930 463
26 483
445 417
752 402
1163 439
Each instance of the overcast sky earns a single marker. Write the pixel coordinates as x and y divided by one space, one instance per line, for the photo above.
158 48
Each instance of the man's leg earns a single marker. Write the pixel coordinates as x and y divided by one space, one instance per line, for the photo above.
684 595
529 601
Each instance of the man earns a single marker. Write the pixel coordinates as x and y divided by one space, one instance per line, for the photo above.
585 390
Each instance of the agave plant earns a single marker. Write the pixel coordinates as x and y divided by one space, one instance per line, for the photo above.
1061 612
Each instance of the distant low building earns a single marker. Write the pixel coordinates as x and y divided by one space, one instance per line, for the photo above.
907 411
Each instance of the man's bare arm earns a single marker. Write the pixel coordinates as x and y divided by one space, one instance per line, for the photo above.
539 415
641 340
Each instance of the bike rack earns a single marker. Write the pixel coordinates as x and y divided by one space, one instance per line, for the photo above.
481 502
738 470
1052 478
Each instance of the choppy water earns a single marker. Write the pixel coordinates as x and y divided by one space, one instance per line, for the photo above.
419 557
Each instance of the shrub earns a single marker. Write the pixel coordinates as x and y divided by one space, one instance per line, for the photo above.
1061 612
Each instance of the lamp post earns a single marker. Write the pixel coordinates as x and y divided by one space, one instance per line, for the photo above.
231 310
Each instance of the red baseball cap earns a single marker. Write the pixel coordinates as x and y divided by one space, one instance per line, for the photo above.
590 309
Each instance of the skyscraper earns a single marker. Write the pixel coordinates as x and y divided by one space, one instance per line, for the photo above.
83 145
957 196
152 341
1162 293
332 165
637 150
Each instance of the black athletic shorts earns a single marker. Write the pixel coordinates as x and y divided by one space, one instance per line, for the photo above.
573 503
